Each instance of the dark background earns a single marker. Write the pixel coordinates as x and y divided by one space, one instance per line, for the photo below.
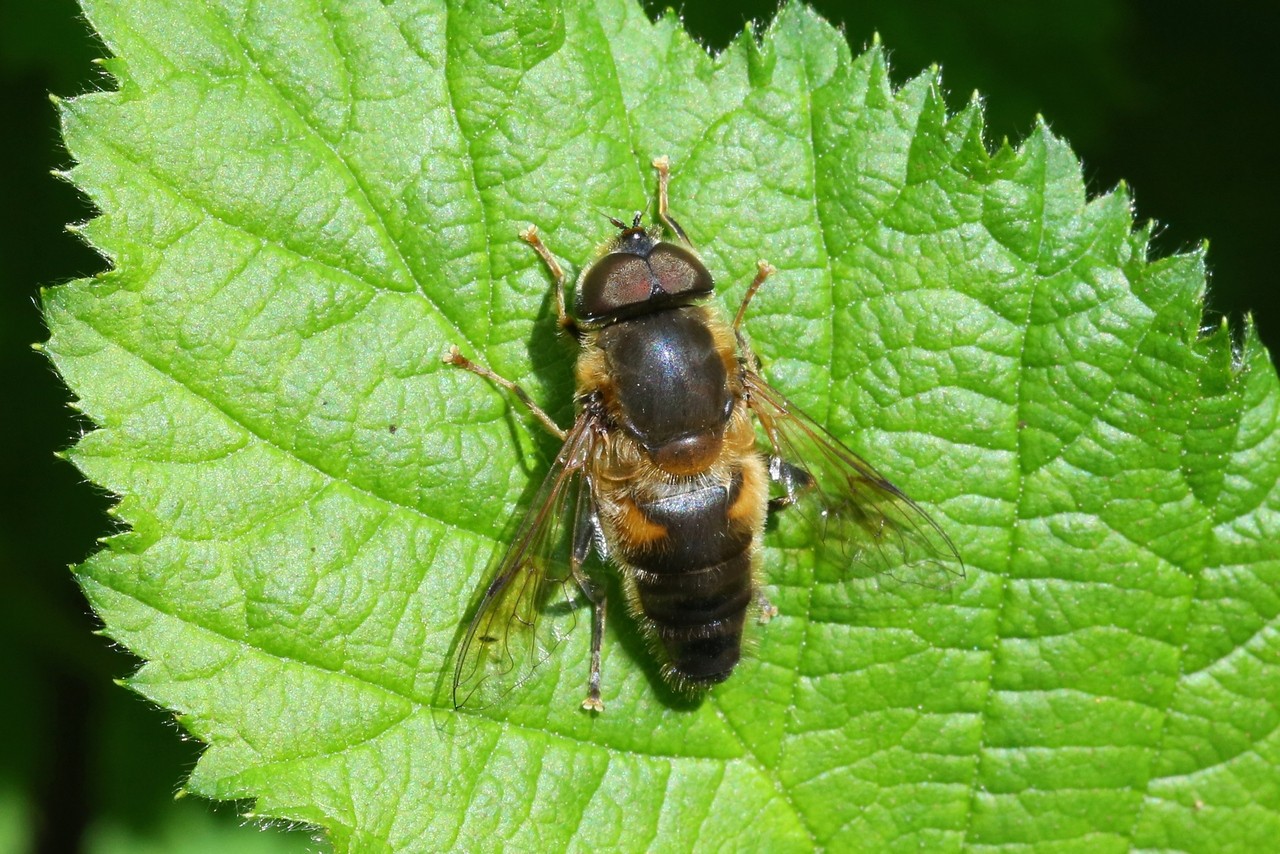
1179 102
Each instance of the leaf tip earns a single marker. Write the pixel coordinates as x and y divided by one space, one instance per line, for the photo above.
1252 346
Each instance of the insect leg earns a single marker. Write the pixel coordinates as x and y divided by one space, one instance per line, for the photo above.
663 165
453 357
563 318
763 271
768 610
793 479
584 534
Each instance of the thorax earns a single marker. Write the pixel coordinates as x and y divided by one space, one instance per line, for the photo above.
669 381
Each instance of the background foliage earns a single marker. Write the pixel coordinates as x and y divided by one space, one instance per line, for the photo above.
1142 94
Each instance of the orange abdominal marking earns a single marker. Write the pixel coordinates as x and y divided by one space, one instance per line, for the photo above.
752 498
634 527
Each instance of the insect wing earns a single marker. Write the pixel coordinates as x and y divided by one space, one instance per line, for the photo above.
530 606
859 523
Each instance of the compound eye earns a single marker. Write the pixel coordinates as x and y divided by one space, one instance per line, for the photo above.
679 271
615 282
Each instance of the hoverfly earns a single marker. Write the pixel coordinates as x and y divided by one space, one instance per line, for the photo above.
663 474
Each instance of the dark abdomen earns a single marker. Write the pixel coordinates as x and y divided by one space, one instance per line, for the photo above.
694 585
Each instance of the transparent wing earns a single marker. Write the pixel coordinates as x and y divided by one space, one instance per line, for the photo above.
858 523
531 604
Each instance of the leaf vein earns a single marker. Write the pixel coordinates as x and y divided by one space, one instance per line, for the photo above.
345 168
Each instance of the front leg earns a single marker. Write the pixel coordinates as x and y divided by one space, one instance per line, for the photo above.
563 318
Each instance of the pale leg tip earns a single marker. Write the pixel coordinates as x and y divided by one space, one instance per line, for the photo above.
768 610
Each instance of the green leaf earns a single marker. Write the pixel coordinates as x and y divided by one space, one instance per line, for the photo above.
306 202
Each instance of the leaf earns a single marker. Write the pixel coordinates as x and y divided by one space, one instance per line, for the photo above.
305 203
